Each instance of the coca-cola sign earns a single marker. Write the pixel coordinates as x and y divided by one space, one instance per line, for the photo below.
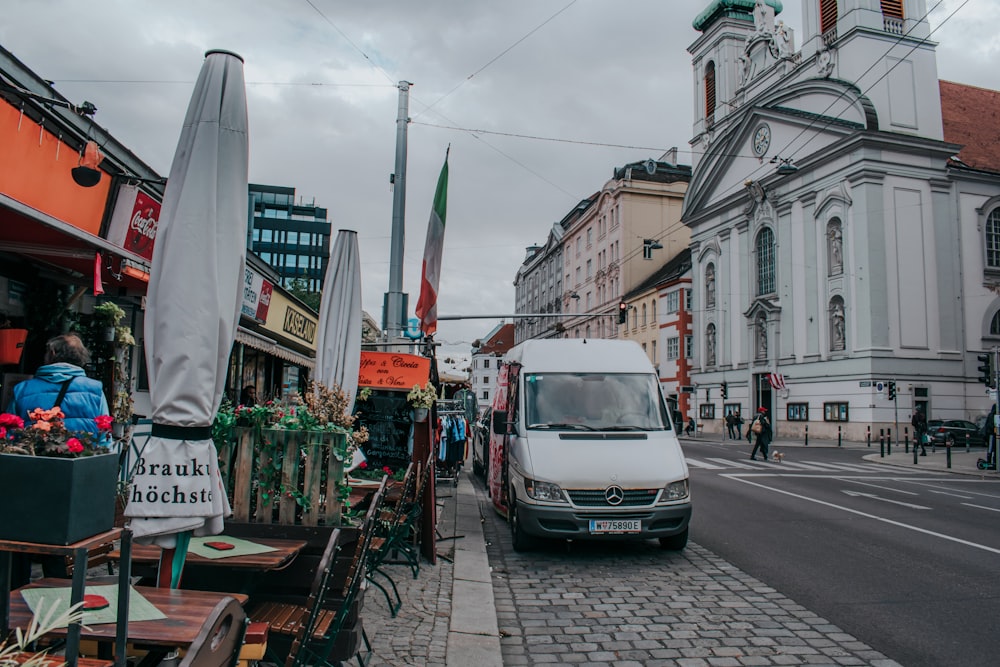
134 221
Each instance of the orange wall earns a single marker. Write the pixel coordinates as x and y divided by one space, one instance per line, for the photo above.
36 170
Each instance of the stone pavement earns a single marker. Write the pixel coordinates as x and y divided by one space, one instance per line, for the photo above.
699 611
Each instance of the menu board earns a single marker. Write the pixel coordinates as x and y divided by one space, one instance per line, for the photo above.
388 418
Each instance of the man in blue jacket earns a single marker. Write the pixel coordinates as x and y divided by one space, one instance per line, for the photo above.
82 401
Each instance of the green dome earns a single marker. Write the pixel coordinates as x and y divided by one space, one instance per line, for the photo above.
740 9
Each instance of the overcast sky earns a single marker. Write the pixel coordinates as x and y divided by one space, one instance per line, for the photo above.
610 79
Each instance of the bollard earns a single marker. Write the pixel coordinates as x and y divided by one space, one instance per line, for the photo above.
807 435
838 435
966 443
947 447
881 447
868 436
906 440
888 441
915 452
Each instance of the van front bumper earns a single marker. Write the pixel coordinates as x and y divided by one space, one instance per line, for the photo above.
574 523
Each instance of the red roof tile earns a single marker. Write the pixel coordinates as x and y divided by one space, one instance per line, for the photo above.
972 118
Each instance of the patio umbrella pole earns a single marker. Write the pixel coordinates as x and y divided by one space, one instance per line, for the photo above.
171 567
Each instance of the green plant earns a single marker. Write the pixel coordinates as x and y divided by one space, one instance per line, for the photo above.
12 652
422 397
108 314
364 394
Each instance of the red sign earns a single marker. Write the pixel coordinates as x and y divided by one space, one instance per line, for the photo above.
264 300
389 370
134 221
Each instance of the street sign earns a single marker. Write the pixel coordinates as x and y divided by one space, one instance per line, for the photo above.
686 389
880 386
865 383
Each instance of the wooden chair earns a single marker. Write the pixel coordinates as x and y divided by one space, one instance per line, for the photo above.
219 642
325 628
408 543
390 530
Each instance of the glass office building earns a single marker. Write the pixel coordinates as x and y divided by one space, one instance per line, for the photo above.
294 239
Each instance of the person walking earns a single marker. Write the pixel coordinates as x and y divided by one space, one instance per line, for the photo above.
731 425
761 427
919 423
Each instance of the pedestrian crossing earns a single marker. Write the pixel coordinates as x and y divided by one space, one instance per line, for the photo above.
743 463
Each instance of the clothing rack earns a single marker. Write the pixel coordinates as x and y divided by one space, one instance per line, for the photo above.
447 470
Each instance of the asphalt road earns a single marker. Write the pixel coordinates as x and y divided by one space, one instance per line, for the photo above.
907 561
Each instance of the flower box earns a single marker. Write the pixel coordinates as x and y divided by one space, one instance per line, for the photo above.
51 500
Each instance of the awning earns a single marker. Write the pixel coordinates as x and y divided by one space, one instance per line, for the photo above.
28 231
272 347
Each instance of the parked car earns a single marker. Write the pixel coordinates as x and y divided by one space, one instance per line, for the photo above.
481 444
953 432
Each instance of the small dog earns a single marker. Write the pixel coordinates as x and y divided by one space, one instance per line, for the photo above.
777 456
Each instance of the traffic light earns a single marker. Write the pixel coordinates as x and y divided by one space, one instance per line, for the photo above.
892 390
725 390
622 312
985 368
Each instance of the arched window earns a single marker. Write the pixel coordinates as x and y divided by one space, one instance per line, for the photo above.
995 324
838 325
993 239
892 8
710 93
710 286
643 314
834 248
635 318
765 262
653 314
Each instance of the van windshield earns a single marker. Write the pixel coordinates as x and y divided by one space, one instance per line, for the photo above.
594 402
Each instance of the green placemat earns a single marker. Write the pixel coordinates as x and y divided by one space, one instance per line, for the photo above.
139 608
240 547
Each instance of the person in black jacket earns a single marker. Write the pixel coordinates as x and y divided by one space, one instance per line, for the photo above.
763 439
919 423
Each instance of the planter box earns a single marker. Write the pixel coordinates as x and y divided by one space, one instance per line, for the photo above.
56 501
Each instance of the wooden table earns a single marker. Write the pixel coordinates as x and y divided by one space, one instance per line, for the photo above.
186 612
79 551
284 553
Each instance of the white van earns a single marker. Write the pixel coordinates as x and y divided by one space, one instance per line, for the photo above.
582 446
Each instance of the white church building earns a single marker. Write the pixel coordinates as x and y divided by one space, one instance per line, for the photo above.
844 211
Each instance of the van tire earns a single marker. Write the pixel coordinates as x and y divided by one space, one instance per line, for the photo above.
519 539
675 542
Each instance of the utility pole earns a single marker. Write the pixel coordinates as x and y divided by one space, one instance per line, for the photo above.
394 305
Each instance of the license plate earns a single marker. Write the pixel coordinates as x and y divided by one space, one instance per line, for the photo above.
615 526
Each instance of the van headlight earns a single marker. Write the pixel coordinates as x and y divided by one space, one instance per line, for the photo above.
675 491
544 491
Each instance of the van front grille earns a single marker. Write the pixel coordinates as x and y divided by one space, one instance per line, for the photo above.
596 498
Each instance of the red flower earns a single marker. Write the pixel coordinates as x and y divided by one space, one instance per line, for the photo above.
387 470
74 446
11 421
103 422
364 464
3 432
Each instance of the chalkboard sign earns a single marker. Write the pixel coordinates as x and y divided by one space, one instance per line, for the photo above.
388 418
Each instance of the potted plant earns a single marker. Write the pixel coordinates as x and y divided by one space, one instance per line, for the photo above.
77 498
422 398
107 318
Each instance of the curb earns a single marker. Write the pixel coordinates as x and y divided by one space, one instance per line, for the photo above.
474 633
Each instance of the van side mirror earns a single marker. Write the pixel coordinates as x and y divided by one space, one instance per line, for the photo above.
500 421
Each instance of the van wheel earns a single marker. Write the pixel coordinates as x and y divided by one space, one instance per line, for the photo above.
520 540
675 542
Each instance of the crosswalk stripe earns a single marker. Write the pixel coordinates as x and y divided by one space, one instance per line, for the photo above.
701 464
729 463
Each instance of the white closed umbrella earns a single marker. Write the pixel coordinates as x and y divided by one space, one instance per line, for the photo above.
192 310
338 345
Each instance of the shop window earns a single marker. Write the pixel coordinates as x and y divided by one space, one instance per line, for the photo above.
798 412
835 412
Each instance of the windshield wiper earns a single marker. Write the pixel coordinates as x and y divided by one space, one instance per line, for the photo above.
625 427
564 426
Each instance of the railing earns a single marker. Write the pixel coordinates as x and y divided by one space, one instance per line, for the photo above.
893 25
829 37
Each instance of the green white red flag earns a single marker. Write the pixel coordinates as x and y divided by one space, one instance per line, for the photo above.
430 274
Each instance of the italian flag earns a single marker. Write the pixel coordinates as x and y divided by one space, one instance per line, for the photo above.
430 275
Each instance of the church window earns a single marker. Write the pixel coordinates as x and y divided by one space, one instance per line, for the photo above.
993 239
995 324
827 15
765 262
710 93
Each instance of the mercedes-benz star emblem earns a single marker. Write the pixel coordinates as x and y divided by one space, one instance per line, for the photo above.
614 495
